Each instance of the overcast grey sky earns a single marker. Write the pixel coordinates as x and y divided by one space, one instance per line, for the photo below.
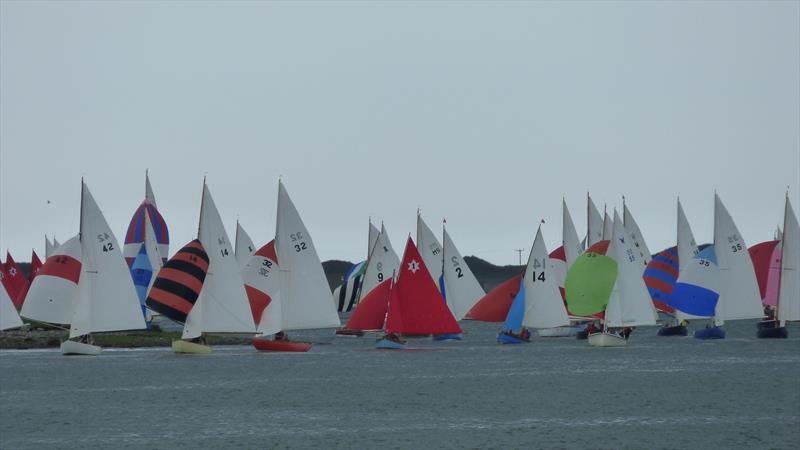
483 113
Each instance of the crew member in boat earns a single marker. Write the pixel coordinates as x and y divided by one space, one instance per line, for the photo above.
281 336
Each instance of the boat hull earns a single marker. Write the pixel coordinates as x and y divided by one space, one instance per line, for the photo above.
771 329
386 344
191 348
561 331
677 330
710 333
508 339
348 332
447 337
79 348
606 340
269 345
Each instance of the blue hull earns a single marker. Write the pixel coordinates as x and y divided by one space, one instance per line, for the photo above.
506 339
447 337
385 344
710 333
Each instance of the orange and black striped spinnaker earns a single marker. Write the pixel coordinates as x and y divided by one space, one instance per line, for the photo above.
179 282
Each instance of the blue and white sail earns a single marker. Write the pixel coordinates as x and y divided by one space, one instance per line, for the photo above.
697 290
142 274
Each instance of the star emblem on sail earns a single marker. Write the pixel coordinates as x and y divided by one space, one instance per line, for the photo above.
413 266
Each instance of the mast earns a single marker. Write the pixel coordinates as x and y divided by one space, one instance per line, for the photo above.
80 223
202 201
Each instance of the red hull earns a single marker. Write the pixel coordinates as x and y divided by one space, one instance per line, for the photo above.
268 345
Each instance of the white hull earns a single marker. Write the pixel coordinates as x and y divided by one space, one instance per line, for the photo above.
182 346
606 340
559 331
79 348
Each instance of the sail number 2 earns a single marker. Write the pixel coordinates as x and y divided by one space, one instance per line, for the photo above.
299 244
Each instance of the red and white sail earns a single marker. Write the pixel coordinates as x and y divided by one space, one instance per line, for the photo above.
53 291
14 281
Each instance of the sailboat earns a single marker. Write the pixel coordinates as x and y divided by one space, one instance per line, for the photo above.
381 265
415 305
539 303
788 307
243 246
738 295
346 295
146 246
608 278
221 305
690 271
304 294
86 284
766 257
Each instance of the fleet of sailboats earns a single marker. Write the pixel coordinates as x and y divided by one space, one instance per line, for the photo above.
212 285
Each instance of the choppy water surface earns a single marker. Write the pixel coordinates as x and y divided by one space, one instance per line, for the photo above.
740 392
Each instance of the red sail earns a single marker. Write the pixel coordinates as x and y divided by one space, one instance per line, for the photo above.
416 306
761 255
15 282
494 306
371 311
259 300
36 265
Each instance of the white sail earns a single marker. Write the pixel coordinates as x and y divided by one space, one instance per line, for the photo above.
630 303
544 307
382 263
224 304
687 250
148 190
608 228
594 229
461 288
106 299
372 238
244 246
687 247
48 247
53 292
739 297
570 240
789 293
633 231
56 244
430 249
305 293
9 318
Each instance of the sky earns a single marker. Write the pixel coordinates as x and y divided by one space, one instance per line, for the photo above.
483 113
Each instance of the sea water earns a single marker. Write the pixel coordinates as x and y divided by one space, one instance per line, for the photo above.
658 392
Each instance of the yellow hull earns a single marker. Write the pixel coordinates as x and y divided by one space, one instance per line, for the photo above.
182 346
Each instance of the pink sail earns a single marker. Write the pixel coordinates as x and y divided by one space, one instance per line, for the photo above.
766 257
